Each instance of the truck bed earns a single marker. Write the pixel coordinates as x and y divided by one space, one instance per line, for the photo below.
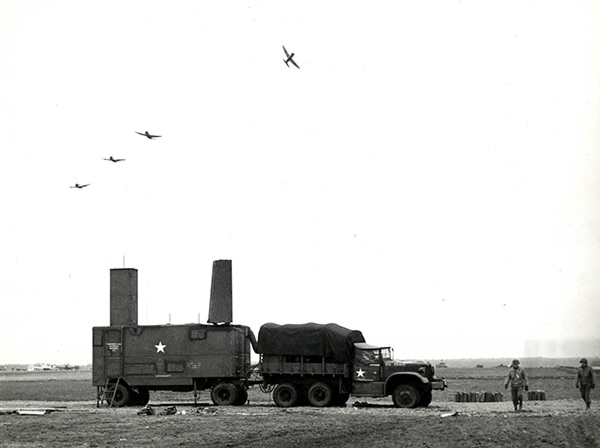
282 365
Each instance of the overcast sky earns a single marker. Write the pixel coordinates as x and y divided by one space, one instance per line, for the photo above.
429 176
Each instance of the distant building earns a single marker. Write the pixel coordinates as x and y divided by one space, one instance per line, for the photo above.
37 367
15 367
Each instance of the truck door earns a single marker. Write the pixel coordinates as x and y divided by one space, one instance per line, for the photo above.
367 365
114 352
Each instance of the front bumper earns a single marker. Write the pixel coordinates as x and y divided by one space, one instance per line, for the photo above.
439 384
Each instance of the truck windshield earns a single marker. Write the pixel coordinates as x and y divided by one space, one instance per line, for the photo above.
370 355
387 353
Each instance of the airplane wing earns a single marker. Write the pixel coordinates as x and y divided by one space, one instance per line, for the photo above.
292 61
286 53
140 133
154 136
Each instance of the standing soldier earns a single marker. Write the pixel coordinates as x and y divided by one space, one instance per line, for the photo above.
518 380
585 382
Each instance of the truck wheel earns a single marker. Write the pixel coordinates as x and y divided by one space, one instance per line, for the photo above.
224 394
426 399
320 395
406 396
242 396
122 396
285 395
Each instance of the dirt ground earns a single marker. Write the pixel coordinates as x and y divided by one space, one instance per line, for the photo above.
559 423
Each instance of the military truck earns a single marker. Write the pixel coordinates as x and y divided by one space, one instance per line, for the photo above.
323 364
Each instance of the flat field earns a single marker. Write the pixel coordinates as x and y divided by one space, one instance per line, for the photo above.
76 421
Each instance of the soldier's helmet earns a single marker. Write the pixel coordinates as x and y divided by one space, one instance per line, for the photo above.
515 361
583 360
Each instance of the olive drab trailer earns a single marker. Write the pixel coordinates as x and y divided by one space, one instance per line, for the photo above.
130 360
316 364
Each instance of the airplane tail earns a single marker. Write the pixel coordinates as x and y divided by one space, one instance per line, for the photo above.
286 62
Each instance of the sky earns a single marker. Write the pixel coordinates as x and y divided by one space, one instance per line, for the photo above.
429 175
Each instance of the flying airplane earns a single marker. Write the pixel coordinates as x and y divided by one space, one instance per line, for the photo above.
79 186
146 134
111 159
289 58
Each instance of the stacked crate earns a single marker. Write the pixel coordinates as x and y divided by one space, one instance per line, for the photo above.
477 397
536 395
487 397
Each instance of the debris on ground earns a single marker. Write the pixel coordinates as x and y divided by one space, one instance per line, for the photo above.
170 410
364 404
204 410
149 410
34 411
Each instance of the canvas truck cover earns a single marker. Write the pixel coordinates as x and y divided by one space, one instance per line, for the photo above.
331 341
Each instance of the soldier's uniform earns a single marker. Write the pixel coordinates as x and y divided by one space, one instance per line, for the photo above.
518 381
585 382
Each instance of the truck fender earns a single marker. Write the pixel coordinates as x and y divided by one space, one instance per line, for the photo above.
403 377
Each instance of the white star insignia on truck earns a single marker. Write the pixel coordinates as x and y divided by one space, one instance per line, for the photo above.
160 348
360 373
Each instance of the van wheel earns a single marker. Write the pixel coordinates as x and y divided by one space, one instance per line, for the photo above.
320 395
122 395
224 394
285 395
406 396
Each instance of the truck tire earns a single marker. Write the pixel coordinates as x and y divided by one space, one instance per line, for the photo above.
406 396
242 397
224 394
426 399
122 396
320 395
285 395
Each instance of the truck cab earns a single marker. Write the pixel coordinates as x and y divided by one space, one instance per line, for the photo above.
375 373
